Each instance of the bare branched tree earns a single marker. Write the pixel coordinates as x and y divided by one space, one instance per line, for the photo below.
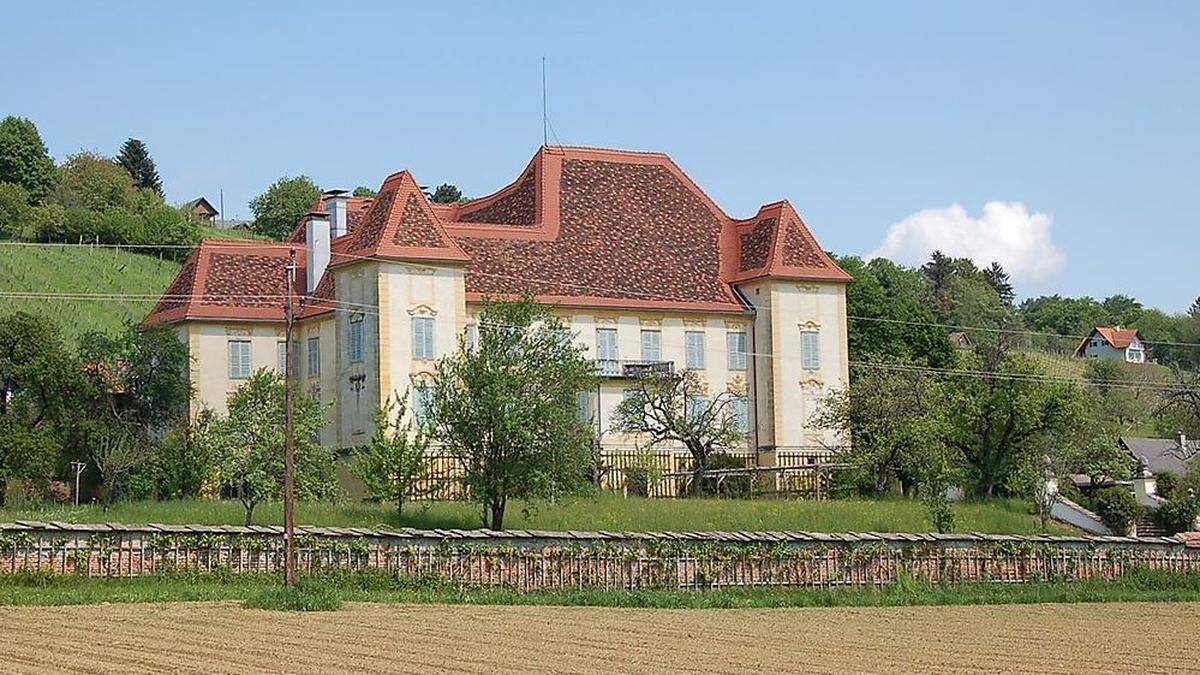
675 408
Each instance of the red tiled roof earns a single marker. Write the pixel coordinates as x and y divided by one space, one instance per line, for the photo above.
1118 338
579 226
224 279
356 208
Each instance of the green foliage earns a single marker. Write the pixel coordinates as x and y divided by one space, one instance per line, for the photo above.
642 473
14 210
135 158
395 461
39 376
277 210
95 183
24 159
507 409
678 408
183 463
1117 508
363 191
248 444
895 421
1064 316
26 453
446 194
738 486
304 597
997 421
1167 484
896 321
998 279
1178 514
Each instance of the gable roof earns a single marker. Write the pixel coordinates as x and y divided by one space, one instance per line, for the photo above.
1117 338
1162 454
579 226
201 201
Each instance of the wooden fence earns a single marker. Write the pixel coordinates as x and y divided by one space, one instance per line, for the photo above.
531 561
807 476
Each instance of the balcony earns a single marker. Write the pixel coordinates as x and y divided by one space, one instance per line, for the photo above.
616 368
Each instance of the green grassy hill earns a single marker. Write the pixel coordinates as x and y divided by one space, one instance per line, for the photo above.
74 269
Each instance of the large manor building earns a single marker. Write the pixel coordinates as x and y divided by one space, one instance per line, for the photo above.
644 267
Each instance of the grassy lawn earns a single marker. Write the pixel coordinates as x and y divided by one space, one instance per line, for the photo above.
605 511
73 269
210 232
377 587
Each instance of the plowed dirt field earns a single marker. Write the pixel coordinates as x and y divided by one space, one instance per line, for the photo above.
223 637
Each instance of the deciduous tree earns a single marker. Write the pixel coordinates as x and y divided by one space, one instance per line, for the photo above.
277 210
507 409
394 462
679 408
24 159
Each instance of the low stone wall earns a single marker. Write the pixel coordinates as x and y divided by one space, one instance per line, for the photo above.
538 560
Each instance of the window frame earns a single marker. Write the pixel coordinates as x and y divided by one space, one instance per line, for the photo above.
248 358
424 348
735 356
656 349
810 352
311 343
698 350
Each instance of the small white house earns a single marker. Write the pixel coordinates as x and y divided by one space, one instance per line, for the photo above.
1117 344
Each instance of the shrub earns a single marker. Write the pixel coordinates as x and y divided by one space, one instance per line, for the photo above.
642 474
1177 514
725 486
14 209
57 492
304 597
1117 509
1166 484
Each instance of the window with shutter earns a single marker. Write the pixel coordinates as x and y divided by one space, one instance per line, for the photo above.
239 359
810 349
735 347
693 341
651 345
314 356
422 337
355 339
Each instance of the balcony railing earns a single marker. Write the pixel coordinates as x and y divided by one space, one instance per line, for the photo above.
633 369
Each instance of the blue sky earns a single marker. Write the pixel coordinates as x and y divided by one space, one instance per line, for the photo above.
1076 122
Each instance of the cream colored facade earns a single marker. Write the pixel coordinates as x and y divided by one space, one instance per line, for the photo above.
782 388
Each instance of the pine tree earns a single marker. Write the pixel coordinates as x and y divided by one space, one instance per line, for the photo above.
446 194
997 278
1194 310
135 157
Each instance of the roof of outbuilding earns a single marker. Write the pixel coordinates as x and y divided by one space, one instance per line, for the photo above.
1162 454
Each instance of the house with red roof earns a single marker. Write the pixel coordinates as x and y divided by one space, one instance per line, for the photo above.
1114 343
645 268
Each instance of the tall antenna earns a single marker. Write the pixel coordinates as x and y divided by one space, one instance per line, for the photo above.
545 123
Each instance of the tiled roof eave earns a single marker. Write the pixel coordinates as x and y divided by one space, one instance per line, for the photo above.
591 302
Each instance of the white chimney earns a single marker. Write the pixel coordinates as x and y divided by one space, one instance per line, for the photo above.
335 206
316 238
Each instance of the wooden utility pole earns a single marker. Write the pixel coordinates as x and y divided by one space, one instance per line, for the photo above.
289 448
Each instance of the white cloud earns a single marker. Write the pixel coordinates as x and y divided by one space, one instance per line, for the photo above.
1004 232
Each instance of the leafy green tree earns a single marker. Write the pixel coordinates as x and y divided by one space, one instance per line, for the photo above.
135 158
972 302
999 412
24 159
277 210
95 183
14 211
998 279
446 194
895 420
507 409
40 379
364 191
183 463
1064 316
1117 508
393 464
1122 310
248 444
679 409
139 376
26 453
890 315
115 451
